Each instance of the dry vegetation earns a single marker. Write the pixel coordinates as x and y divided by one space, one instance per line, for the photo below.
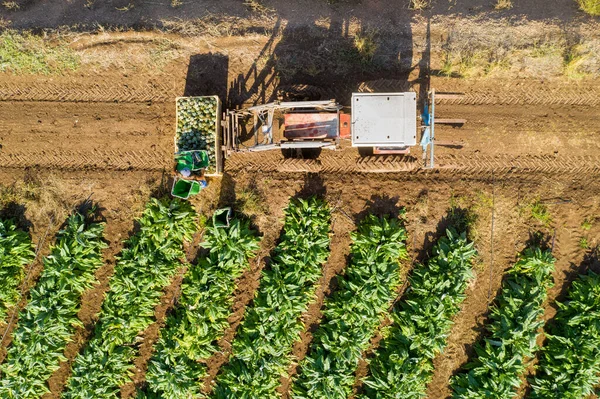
591 7
503 4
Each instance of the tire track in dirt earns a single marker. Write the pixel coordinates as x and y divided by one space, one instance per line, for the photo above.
524 94
82 92
77 160
471 165
464 165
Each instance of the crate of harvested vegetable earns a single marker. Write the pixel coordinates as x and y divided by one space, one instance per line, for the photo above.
198 128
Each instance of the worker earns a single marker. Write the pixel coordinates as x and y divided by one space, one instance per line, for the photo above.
188 174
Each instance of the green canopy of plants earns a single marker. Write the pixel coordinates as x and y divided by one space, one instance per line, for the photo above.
512 331
16 251
145 267
353 313
262 348
569 367
47 323
200 318
403 364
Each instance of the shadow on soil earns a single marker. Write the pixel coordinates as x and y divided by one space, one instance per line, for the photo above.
16 212
207 75
318 62
86 16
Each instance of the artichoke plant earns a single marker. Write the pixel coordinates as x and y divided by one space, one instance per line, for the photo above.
200 318
569 367
353 313
16 251
263 345
403 364
145 267
196 125
46 325
512 331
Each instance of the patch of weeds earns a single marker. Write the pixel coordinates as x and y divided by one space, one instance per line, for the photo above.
202 219
546 49
499 64
365 44
24 53
591 7
162 53
128 7
574 58
583 243
539 211
419 4
467 63
257 7
11 5
250 203
586 225
503 4
447 68
42 200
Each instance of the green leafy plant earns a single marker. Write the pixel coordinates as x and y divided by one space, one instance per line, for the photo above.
16 251
262 348
591 7
145 267
353 313
26 53
403 364
539 211
569 367
200 318
583 243
48 322
512 331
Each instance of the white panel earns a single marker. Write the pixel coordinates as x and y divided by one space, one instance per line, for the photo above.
384 119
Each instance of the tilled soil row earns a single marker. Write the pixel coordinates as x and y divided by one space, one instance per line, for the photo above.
525 94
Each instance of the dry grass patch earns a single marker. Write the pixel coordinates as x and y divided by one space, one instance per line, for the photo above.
365 44
591 7
25 53
503 4
419 4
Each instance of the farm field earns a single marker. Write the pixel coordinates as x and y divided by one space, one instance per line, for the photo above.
343 276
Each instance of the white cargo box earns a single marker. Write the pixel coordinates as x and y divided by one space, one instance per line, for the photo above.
384 119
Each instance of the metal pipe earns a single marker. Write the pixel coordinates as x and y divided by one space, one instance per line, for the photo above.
431 161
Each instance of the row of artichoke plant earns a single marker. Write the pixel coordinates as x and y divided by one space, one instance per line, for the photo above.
403 364
145 267
16 251
200 317
263 345
353 313
512 331
47 323
569 366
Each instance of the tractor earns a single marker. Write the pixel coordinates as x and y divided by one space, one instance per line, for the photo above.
377 124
